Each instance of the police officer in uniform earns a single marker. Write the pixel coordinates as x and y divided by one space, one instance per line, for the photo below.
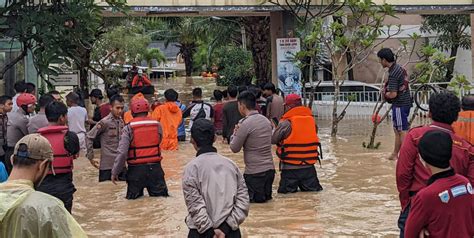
140 146
445 208
298 147
108 131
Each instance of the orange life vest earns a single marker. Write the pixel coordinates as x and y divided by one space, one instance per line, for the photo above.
302 145
63 161
145 145
464 126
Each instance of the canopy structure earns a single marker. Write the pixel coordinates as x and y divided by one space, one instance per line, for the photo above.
262 7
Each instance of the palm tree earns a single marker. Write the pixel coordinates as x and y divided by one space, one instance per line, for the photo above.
153 54
185 32
258 29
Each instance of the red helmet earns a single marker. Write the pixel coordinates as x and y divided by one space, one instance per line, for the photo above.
25 99
140 105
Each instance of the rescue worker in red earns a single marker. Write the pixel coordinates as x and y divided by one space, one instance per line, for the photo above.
141 80
140 146
66 147
464 126
445 208
297 147
411 175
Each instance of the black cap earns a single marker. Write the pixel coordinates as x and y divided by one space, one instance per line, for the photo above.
96 93
435 148
203 132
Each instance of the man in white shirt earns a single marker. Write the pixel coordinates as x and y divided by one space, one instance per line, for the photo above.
20 87
76 118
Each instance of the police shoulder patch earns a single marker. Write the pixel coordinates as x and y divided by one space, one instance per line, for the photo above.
459 190
444 196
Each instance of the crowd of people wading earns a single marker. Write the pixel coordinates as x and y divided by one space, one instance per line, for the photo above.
434 171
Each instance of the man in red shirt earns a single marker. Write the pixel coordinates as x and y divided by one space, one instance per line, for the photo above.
445 208
218 114
141 80
411 175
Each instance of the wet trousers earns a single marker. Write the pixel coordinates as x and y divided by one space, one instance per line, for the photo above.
193 233
106 175
149 176
260 186
306 179
59 186
402 220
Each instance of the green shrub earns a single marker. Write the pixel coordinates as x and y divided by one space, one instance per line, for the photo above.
235 66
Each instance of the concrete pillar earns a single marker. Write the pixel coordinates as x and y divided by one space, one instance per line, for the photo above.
282 25
276 28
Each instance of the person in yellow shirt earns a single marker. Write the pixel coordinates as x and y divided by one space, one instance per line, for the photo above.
25 212
169 115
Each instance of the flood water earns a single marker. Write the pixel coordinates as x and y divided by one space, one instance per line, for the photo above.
359 196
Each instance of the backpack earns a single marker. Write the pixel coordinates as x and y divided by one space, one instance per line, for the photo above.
201 113
401 89
71 143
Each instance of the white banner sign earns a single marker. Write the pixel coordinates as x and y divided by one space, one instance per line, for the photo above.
289 74
70 79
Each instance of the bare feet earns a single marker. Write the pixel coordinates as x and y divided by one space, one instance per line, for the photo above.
393 156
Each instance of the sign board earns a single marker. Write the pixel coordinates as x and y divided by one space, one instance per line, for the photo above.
68 79
289 74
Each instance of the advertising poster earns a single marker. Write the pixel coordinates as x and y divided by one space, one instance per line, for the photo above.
289 74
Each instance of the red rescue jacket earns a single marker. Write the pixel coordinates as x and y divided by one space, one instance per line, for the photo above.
412 176
145 145
63 161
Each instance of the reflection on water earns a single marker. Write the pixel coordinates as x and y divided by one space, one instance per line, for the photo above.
359 196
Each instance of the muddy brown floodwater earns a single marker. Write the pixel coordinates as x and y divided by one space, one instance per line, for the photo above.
359 196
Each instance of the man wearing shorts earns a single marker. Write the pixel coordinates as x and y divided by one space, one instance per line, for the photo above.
398 94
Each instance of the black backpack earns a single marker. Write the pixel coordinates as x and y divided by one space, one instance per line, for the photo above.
71 143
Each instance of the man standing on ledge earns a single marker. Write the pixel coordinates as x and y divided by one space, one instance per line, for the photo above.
397 92
298 148
254 134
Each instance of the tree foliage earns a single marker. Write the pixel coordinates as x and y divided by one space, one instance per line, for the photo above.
358 30
153 54
54 31
451 35
119 45
235 66
451 30
191 34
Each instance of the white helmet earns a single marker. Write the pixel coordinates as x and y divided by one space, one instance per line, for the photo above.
140 71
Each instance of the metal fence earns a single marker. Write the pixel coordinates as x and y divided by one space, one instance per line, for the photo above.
363 103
